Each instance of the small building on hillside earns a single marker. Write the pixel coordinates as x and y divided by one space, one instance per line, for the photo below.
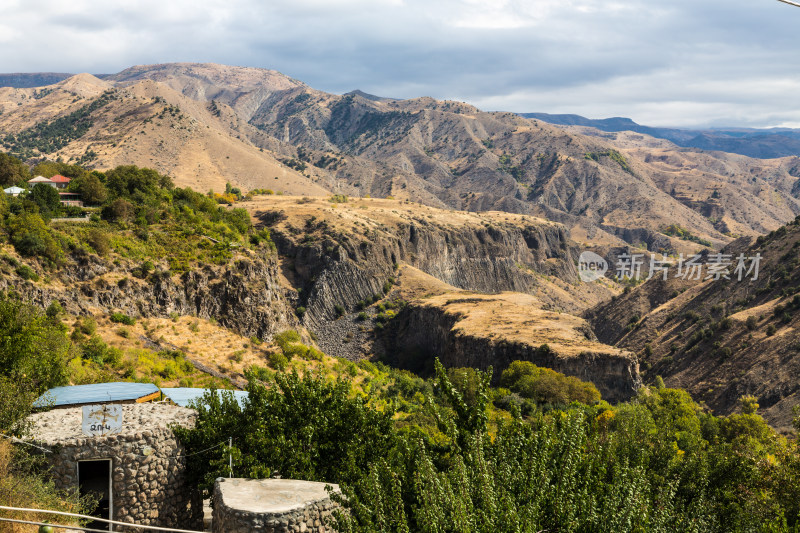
14 191
137 468
41 179
70 199
60 181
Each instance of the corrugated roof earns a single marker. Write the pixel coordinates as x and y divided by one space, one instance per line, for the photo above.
14 190
40 179
58 178
96 393
183 395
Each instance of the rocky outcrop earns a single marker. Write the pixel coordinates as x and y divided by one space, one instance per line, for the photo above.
244 295
340 270
421 332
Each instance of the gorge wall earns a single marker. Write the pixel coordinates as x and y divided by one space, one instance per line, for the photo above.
422 332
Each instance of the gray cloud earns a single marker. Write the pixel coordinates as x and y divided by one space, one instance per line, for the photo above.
681 63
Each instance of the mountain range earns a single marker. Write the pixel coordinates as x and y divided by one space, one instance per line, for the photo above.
766 143
474 220
207 124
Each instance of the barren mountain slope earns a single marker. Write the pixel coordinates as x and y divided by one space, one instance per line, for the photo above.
720 339
147 124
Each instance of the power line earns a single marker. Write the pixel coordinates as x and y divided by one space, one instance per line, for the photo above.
790 3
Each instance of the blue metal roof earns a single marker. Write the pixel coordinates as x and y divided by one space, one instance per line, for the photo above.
183 395
96 393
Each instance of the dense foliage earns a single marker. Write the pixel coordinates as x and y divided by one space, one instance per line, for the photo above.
137 213
657 463
304 428
33 357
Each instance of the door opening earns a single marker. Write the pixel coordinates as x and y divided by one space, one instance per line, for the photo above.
94 477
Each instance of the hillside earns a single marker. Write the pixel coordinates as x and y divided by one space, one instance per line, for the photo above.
208 124
719 339
88 121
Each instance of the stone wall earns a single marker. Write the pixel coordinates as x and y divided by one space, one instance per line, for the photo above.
271 506
147 463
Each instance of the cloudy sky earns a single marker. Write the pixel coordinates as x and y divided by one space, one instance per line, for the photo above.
662 63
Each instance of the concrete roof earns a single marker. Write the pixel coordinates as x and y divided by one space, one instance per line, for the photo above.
95 393
271 496
13 190
64 425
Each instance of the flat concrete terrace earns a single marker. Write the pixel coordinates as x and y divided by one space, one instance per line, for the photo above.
272 506
272 496
64 425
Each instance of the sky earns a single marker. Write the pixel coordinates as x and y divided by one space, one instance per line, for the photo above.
685 63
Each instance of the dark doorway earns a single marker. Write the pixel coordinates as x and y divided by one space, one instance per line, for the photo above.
94 477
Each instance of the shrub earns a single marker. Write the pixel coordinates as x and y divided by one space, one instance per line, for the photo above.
547 386
54 310
30 236
362 316
86 325
285 338
300 311
120 318
99 241
751 322
26 272
278 361
339 310
771 330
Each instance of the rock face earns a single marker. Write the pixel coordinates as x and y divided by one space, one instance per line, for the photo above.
271 506
244 296
147 464
349 268
422 332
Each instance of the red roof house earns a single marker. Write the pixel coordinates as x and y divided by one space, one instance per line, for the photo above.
60 181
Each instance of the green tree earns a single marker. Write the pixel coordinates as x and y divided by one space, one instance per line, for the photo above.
46 197
129 180
91 189
304 428
547 386
12 171
30 236
33 349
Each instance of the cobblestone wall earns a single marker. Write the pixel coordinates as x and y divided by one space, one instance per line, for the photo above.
271 506
147 466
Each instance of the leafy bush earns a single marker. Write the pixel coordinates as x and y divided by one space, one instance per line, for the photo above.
547 386
121 318
33 350
308 428
278 361
26 272
99 241
31 237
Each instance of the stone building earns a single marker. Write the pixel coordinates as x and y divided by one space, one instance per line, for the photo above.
139 472
271 506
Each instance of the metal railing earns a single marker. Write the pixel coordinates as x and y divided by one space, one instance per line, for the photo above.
84 517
